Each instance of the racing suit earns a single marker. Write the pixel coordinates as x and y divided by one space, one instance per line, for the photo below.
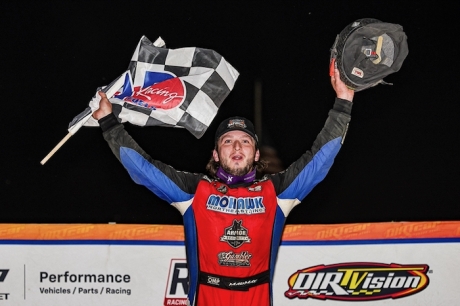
232 232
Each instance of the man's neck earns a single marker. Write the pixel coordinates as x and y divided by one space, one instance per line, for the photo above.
231 179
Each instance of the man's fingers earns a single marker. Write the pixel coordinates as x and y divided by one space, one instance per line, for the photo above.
336 73
102 94
334 77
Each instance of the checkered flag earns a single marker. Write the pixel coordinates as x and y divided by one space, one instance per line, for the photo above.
181 88
167 87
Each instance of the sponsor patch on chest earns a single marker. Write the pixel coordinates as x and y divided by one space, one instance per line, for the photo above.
255 188
232 259
236 234
234 205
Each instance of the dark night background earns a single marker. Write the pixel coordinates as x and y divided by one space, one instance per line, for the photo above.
399 161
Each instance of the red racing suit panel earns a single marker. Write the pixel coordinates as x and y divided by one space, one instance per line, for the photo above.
234 226
258 295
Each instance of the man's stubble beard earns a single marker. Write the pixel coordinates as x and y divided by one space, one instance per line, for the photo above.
240 171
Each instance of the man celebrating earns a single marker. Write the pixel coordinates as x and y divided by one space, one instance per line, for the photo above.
233 221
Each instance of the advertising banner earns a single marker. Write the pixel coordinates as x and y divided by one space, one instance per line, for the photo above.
405 263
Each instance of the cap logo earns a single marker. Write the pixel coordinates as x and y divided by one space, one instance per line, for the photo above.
236 123
358 72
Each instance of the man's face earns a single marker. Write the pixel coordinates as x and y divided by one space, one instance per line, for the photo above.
236 152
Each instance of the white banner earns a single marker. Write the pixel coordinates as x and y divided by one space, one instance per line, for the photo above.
416 264
89 274
385 274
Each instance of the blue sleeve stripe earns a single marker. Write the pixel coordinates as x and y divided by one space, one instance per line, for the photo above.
314 172
145 173
192 251
276 239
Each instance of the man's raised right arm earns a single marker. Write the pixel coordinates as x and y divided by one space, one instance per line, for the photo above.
163 180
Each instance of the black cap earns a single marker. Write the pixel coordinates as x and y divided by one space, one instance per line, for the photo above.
236 124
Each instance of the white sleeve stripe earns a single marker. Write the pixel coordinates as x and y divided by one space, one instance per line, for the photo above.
182 206
287 205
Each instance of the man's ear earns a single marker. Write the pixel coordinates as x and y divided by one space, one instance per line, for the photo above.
257 155
215 155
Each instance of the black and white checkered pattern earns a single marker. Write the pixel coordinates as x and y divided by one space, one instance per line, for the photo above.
207 77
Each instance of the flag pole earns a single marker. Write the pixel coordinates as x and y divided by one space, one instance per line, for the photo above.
73 129
56 148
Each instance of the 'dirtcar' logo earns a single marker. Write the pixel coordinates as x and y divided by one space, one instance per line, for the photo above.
358 281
